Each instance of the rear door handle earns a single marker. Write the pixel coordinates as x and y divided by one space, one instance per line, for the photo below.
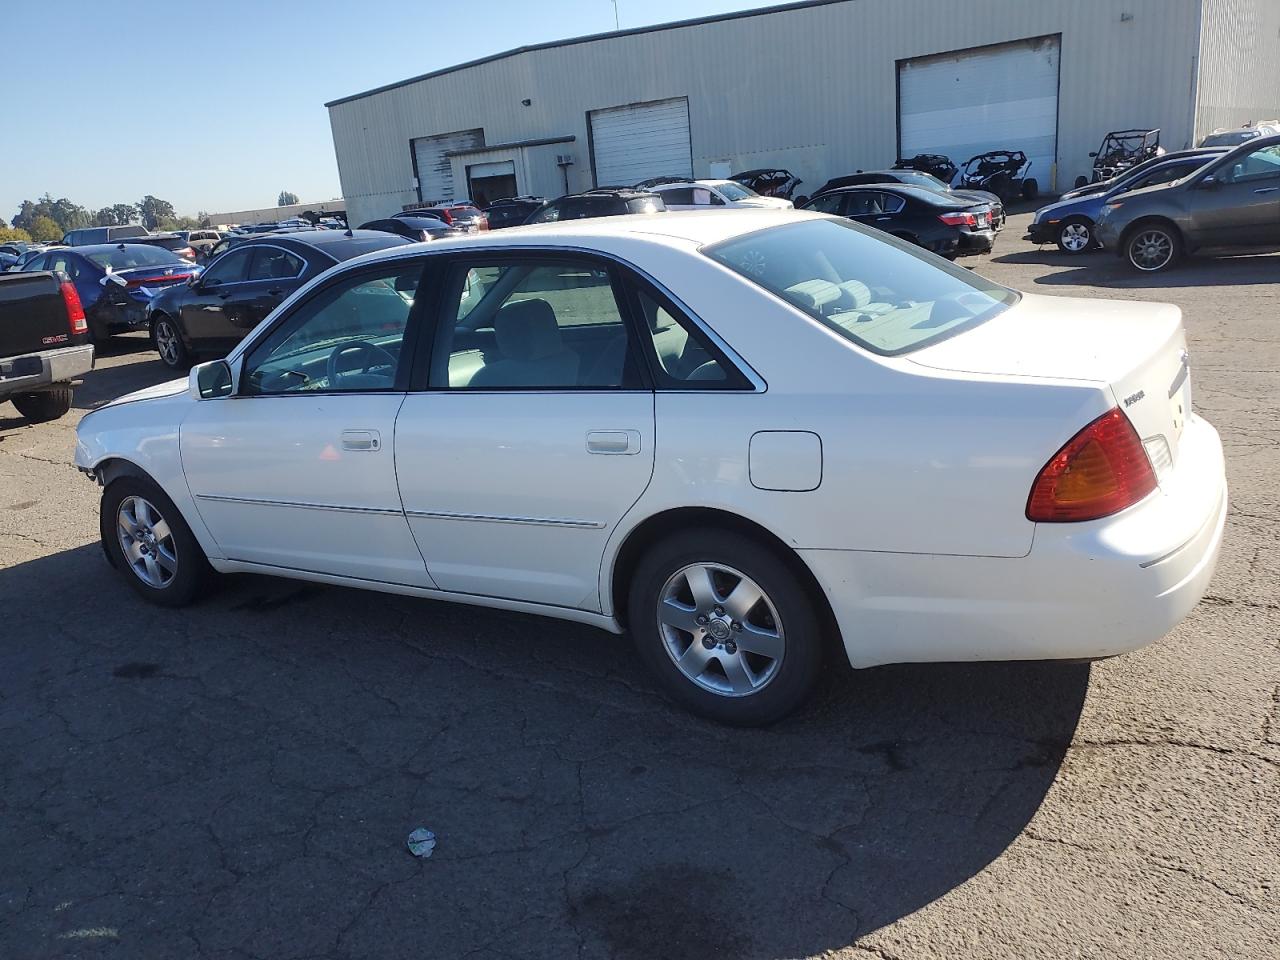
368 441
616 442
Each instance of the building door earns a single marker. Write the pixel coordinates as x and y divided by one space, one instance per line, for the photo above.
639 141
434 169
1002 97
488 182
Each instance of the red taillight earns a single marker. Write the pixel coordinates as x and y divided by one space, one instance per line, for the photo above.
958 219
75 310
1101 470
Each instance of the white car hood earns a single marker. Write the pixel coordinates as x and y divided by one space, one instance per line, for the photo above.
166 389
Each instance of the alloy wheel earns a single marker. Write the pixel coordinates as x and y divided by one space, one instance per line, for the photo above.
720 629
1076 237
146 542
1151 250
167 343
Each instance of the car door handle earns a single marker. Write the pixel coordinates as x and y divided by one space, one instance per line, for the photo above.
884 218
368 441
1266 190
618 442
275 292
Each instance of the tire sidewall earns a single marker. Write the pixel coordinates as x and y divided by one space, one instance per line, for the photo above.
182 360
1175 241
193 568
802 657
1075 223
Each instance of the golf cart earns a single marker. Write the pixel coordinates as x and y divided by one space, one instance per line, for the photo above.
1120 150
1002 172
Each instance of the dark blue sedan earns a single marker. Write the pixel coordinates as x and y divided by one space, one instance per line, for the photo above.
1069 222
115 281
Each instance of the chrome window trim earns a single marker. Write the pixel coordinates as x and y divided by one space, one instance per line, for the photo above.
301 505
499 518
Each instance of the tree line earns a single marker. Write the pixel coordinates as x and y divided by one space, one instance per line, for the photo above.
47 219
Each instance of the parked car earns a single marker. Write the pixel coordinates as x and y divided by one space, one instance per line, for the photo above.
464 216
44 344
1226 137
213 312
1232 203
7 259
917 178
769 182
610 202
115 281
95 235
948 226
858 442
1102 186
416 229
173 242
707 194
235 239
511 211
24 258
1070 223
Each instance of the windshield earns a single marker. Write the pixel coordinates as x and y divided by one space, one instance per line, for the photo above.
926 180
1230 139
131 255
873 289
735 191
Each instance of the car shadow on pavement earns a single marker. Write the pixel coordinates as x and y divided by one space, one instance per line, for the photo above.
1101 269
239 778
105 383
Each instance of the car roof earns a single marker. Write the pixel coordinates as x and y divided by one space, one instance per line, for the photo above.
906 189
88 248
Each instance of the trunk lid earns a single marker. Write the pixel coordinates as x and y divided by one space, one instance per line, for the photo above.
1138 349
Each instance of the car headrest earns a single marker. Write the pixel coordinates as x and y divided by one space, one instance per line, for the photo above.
527 330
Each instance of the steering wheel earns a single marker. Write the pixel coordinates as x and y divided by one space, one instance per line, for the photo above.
369 351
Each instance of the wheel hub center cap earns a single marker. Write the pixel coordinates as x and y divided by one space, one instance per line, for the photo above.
719 628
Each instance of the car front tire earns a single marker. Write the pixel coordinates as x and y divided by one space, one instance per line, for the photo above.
151 545
168 343
1075 237
1152 247
726 627
45 405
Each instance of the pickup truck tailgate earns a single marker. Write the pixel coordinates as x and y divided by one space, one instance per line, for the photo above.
33 315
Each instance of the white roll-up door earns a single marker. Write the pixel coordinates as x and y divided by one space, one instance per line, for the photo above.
643 140
1002 97
435 170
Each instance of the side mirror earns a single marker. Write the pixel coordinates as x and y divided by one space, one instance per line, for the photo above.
1210 183
208 381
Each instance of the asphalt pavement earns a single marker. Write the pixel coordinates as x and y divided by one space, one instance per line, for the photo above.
237 780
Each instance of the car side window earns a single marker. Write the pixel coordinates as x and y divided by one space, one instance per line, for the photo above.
229 269
685 357
349 337
63 263
684 196
828 203
36 263
891 203
273 263
532 325
548 214
1261 164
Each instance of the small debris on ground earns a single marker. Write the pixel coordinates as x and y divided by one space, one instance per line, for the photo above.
421 842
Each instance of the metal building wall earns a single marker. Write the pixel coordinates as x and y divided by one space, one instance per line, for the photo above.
1239 63
812 87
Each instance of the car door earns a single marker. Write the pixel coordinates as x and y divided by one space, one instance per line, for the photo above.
297 469
1239 204
274 273
532 434
205 307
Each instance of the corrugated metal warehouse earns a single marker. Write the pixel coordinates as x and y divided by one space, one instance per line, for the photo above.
822 88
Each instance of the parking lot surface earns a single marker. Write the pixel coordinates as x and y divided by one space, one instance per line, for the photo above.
237 780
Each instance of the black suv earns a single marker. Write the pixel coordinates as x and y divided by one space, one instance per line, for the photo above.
598 203
512 211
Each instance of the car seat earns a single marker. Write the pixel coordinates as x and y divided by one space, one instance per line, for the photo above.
532 353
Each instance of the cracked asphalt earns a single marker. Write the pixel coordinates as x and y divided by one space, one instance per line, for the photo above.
238 780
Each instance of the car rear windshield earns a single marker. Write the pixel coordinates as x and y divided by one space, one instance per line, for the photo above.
168 243
736 191
880 292
347 249
130 255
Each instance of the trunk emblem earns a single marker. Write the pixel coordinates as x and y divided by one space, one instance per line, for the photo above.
1133 398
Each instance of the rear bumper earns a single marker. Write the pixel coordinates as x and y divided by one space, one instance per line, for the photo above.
1086 590
976 241
32 371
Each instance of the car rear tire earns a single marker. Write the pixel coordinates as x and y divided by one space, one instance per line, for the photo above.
151 545
727 628
168 343
1030 188
45 405
1152 247
1075 236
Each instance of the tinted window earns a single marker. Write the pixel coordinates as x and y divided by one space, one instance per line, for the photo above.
827 203
232 268
1175 171
130 255
735 191
346 249
349 337
534 325
877 291
64 263
681 195
651 204
1261 164
273 263
123 233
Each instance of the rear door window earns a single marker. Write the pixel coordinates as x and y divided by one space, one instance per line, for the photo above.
232 268
273 263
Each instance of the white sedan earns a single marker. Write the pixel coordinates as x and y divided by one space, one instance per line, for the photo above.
751 439
714 195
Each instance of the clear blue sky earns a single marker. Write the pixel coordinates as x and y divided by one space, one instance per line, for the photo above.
219 105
